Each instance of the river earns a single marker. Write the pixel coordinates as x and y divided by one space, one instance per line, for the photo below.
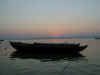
88 63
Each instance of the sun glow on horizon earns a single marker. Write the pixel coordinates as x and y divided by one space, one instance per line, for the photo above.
43 18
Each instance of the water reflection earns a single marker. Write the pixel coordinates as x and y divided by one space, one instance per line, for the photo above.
47 57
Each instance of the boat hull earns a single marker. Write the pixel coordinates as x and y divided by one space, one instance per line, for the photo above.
48 48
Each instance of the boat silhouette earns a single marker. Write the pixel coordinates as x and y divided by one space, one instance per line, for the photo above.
48 47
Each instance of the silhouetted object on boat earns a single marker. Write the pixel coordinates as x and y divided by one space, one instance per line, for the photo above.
47 57
48 47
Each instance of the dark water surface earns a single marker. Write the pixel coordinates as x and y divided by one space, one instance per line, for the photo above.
86 63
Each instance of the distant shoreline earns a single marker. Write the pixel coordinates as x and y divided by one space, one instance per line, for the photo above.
41 38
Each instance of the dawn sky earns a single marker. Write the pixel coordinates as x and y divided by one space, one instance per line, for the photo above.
34 18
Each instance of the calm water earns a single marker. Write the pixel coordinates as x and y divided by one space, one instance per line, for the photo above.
88 63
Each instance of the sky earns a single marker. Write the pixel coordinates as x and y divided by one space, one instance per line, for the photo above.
43 18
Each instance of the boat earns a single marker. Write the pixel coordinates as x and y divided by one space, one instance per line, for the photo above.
48 47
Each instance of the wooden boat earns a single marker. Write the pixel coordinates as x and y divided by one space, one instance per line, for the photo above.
48 47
